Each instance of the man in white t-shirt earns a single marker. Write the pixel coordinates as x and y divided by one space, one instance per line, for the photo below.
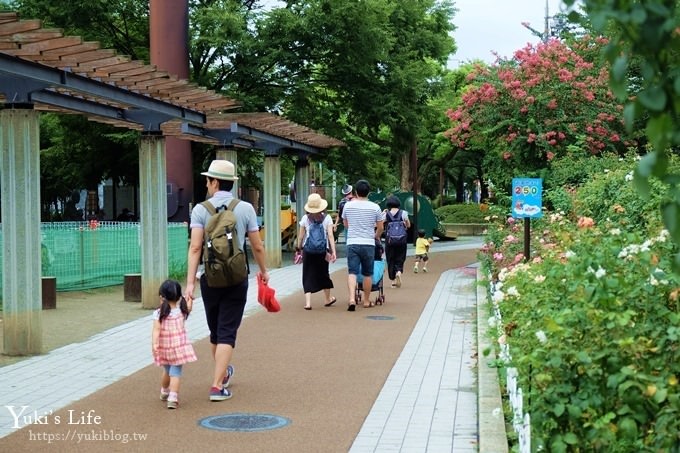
366 220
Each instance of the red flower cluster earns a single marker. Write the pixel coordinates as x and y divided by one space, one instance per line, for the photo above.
532 107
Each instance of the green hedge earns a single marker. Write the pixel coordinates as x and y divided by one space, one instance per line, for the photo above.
461 213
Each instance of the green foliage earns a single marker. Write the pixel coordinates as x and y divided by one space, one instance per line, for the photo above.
461 213
593 319
374 93
645 37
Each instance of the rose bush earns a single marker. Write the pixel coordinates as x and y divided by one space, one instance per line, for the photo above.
593 320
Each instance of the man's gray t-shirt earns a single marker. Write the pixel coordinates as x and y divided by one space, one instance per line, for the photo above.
246 219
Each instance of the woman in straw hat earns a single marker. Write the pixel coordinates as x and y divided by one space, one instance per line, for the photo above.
315 275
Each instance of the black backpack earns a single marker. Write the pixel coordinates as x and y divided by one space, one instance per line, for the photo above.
395 233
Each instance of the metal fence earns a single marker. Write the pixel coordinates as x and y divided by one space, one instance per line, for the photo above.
86 255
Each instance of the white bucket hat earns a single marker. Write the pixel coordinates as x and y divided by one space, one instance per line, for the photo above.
221 169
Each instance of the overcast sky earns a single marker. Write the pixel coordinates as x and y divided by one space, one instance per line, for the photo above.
487 26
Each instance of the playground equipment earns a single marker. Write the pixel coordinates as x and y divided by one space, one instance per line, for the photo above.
289 229
427 220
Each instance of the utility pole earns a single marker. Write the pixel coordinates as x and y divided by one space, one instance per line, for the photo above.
546 29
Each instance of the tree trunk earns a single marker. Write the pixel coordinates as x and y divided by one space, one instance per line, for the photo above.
406 181
442 179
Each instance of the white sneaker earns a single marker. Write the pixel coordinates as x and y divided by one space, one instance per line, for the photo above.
398 279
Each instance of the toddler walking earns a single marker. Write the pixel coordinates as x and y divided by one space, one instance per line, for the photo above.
170 345
422 248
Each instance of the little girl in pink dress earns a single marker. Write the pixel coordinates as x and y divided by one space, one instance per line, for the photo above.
170 344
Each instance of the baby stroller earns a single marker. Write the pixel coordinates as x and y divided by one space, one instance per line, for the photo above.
377 279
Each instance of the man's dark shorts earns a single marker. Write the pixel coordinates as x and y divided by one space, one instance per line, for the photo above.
360 258
224 310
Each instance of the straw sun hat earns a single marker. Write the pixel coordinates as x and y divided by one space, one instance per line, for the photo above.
315 203
221 169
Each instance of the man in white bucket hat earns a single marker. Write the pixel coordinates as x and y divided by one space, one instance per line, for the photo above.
223 306
347 195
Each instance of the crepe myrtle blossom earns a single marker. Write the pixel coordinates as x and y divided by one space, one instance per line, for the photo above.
569 254
539 278
615 232
498 256
542 337
511 220
498 296
512 291
629 176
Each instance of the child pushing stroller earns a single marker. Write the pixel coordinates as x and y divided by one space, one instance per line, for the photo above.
377 279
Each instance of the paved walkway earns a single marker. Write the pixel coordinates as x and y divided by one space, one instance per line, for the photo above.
428 403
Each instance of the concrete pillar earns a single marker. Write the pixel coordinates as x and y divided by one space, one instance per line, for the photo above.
21 282
272 210
231 155
301 185
153 217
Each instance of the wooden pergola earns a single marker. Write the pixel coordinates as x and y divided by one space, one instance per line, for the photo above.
41 70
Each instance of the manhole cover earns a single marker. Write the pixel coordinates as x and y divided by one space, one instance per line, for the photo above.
380 318
244 422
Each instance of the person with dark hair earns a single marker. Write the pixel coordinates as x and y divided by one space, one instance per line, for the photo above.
395 248
363 220
169 342
224 307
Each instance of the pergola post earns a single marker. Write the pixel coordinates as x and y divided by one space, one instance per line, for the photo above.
272 211
231 155
153 217
21 270
301 185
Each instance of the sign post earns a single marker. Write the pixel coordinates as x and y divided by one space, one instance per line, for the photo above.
527 203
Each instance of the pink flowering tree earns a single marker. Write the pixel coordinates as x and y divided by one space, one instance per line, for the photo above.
550 100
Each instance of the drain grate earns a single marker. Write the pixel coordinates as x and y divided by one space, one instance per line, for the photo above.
244 422
380 318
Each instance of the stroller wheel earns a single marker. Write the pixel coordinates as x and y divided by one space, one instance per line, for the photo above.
381 300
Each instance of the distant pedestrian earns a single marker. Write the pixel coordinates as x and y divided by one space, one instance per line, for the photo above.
170 344
318 249
395 247
348 195
422 250
363 220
